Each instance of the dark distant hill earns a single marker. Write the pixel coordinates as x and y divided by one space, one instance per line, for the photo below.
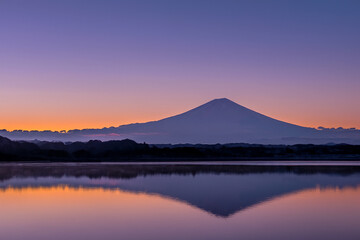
10 149
218 121
77 151
128 150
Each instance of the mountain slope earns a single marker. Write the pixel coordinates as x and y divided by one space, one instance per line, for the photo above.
218 121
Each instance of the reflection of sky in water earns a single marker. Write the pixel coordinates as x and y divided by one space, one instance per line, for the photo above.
204 206
219 194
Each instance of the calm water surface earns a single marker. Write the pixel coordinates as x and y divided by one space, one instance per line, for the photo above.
181 202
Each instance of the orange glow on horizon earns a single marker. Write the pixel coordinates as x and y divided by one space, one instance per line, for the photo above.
46 113
77 121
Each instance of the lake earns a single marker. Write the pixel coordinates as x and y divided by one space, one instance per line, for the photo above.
180 201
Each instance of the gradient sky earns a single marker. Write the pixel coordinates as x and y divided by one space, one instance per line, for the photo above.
95 63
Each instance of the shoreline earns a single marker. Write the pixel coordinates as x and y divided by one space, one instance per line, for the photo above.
192 163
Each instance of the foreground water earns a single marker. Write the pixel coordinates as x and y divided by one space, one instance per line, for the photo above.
90 201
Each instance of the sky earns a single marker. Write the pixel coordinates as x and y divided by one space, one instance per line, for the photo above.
76 64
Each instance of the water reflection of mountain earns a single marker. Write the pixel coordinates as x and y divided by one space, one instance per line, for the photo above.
219 190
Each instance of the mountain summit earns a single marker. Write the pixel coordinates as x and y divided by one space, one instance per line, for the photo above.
218 121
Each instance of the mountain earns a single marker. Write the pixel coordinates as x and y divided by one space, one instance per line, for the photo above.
9 148
218 121
93 150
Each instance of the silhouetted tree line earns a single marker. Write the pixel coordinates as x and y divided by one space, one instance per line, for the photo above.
126 150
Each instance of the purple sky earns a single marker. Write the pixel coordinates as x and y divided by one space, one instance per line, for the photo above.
83 64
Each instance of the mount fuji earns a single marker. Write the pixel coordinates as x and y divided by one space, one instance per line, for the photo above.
218 121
